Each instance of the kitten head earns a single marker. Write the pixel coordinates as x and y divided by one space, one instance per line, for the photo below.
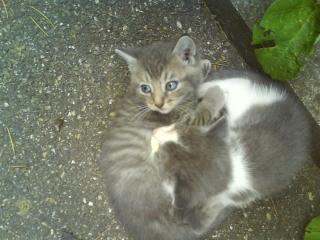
165 75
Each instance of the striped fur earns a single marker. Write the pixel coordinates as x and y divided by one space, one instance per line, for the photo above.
178 182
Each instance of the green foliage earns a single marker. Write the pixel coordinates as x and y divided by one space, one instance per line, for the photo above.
313 230
286 35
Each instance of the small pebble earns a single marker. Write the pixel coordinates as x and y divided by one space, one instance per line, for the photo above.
58 123
44 224
268 216
310 196
179 24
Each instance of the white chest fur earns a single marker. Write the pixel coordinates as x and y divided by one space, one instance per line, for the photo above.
163 135
159 137
241 95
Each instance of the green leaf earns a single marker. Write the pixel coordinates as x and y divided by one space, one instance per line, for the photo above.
284 66
286 35
313 230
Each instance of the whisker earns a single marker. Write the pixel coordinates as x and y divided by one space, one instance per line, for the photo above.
140 107
137 114
140 113
145 113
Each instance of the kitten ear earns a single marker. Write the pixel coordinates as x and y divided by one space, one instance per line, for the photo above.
128 56
185 49
205 67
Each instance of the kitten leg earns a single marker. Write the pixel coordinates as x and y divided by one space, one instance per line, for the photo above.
207 86
210 108
214 102
208 216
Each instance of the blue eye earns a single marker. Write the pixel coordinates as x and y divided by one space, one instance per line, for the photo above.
145 88
172 85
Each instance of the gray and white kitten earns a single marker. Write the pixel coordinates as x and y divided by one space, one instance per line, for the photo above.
267 135
169 181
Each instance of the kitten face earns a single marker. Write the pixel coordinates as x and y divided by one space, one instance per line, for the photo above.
164 92
165 76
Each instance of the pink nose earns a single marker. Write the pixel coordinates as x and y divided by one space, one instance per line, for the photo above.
159 104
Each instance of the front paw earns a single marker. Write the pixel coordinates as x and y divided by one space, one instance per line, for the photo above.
203 117
200 118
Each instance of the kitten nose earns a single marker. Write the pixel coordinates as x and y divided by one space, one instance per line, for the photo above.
159 104
158 100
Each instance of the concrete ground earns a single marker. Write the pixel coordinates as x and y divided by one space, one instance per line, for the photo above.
58 86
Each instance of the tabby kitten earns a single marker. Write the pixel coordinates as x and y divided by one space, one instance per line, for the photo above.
164 79
165 76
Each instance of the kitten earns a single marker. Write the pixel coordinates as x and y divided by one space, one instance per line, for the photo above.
164 79
266 132
177 182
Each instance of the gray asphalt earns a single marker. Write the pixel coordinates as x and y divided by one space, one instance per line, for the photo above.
58 87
